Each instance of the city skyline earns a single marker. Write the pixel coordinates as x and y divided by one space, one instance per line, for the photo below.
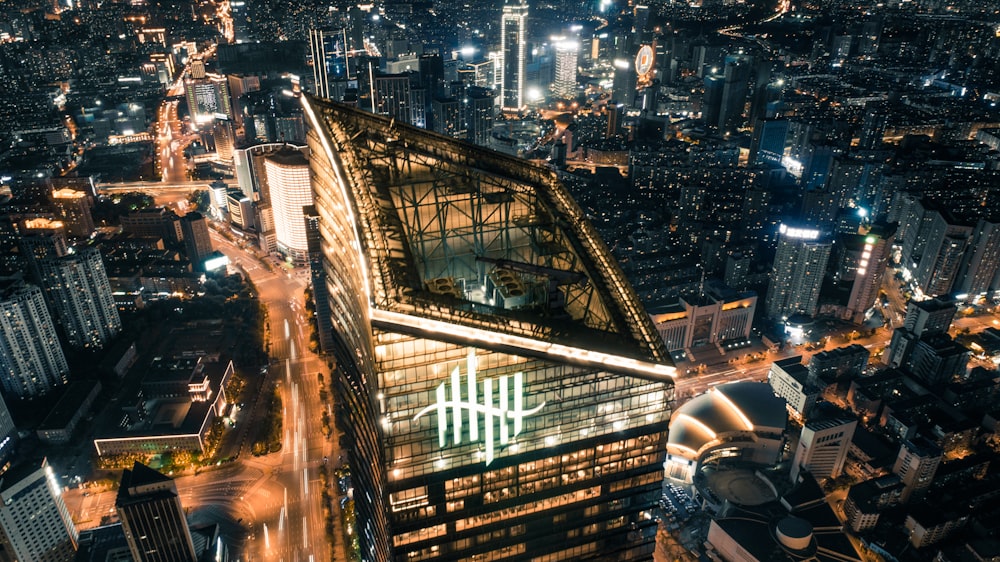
509 280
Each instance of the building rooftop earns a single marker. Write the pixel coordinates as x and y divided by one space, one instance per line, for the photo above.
469 245
733 407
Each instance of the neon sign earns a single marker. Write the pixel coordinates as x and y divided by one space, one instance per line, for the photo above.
503 419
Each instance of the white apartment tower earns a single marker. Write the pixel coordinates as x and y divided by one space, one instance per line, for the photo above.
797 273
567 53
823 447
80 294
287 173
34 521
31 361
513 49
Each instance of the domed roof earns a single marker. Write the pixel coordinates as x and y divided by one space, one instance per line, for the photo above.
732 407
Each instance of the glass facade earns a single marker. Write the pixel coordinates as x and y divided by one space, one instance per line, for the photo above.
477 339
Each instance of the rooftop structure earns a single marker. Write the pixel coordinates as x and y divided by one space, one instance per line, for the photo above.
741 421
486 343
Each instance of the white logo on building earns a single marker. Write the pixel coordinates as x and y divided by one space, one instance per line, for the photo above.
503 419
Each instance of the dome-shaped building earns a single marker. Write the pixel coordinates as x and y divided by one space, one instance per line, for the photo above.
740 422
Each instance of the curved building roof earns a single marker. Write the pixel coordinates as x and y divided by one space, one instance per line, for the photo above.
727 408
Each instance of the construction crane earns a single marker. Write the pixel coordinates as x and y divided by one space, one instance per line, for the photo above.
556 277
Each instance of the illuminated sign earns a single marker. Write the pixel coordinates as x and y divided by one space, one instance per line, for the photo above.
801 233
644 60
509 408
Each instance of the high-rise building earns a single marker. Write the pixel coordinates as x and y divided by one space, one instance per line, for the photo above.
477 427
478 106
78 289
797 273
197 241
929 316
334 65
290 190
767 146
73 208
8 433
208 97
31 361
225 138
40 239
152 517
34 521
736 75
873 125
392 96
916 464
513 49
822 447
977 274
447 117
938 265
870 271
567 53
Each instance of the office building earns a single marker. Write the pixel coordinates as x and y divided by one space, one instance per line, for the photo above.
289 190
476 428
916 464
838 365
208 98
513 50
34 521
155 222
73 209
224 138
567 53
447 117
197 241
720 316
31 360
78 290
797 274
938 360
822 447
152 517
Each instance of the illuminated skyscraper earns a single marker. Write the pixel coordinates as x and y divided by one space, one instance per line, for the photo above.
73 207
504 392
208 97
31 360
80 294
513 48
289 189
567 52
797 273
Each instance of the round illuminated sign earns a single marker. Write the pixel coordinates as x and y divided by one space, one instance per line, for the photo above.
644 60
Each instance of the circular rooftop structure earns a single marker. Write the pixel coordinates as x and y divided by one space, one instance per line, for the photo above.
740 423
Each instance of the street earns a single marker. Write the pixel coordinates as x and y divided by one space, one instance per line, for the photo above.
273 501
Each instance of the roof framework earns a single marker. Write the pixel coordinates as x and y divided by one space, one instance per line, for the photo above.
433 212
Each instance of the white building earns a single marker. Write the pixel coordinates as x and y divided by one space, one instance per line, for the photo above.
287 173
35 522
823 447
797 273
789 380
31 360
567 53
513 50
